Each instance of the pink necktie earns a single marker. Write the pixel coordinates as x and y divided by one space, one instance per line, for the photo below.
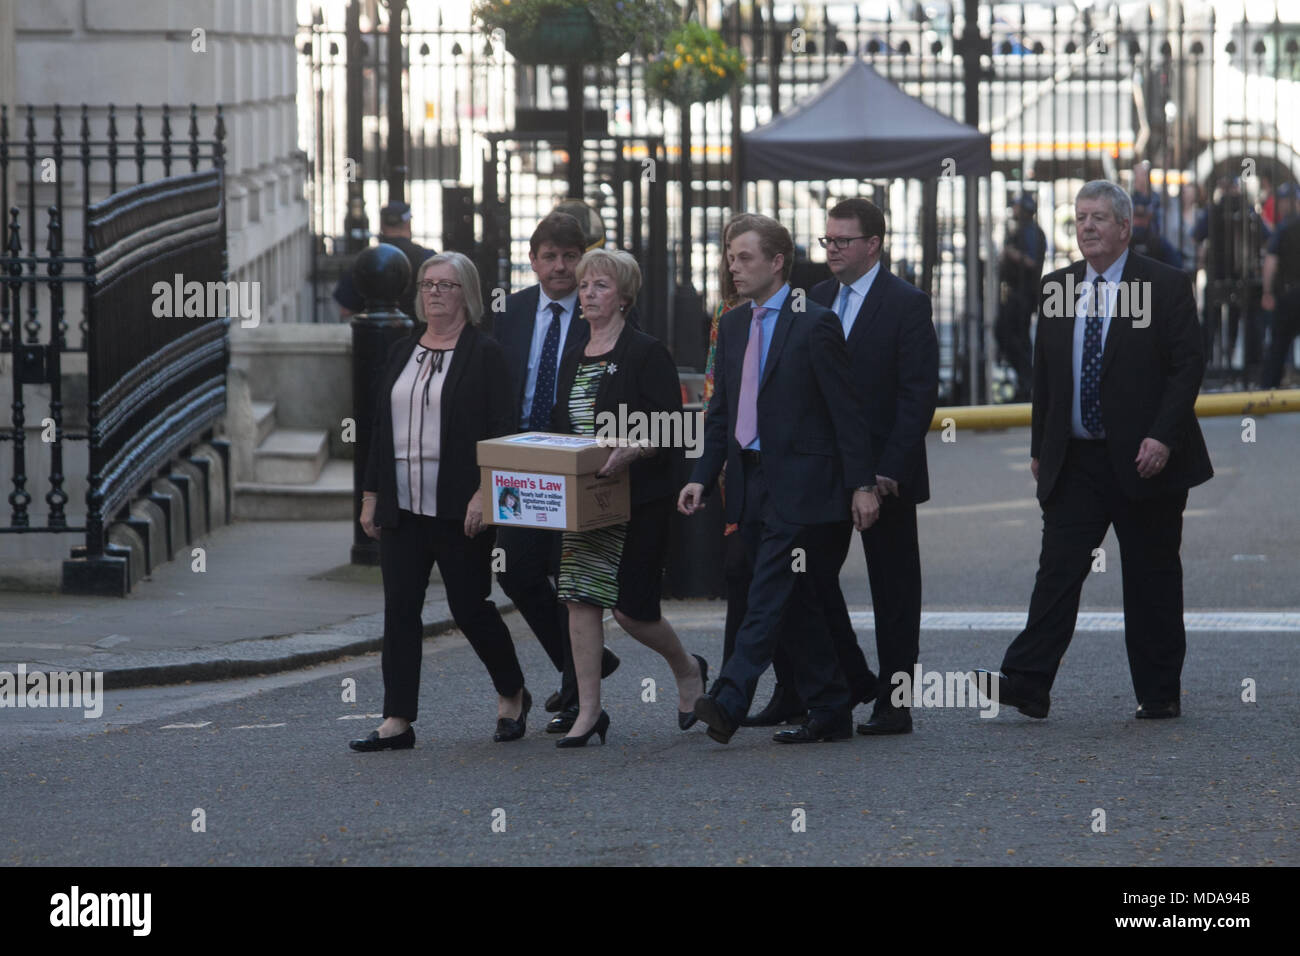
747 410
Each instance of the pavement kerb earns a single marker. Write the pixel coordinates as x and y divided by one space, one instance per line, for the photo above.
258 656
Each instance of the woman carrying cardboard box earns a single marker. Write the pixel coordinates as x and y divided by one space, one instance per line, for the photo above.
623 372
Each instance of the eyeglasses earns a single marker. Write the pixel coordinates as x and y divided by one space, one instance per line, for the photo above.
443 287
841 242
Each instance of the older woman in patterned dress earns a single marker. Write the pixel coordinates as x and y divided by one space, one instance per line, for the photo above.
620 566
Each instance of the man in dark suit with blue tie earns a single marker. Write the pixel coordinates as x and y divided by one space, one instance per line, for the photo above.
894 354
788 423
539 324
1117 367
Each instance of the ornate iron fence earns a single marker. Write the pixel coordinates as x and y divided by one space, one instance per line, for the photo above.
153 381
1065 95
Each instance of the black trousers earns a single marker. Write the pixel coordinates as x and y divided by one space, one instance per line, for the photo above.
532 556
771 543
407 554
1286 326
1011 333
1085 502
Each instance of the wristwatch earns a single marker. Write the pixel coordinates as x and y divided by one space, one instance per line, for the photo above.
869 489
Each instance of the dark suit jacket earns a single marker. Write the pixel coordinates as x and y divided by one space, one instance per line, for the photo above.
474 406
811 423
513 329
1149 381
895 357
645 380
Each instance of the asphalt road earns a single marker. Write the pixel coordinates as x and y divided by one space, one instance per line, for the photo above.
266 760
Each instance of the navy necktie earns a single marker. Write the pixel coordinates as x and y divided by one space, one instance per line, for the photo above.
1090 367
544 390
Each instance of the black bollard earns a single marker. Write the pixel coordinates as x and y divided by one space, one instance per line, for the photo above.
381 273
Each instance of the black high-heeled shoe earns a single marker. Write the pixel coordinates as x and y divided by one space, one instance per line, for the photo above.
512 728
687 721
601 727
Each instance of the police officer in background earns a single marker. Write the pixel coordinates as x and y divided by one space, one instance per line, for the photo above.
1145 239
1020 269
1282 282
395 230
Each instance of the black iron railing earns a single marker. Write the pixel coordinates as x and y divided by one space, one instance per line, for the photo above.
153 382
1065 95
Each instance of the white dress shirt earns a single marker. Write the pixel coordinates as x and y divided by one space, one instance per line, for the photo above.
857 295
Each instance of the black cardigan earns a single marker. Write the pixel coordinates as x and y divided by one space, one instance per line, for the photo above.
475 404
644 380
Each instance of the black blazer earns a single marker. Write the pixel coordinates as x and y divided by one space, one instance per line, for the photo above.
811 421
474 406
513 330
895 356
1149 381
645 380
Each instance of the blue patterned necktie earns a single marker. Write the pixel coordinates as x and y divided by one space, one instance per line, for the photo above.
1090 367
544 391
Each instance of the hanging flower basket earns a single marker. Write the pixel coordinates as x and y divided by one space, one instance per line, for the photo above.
570 31
696 66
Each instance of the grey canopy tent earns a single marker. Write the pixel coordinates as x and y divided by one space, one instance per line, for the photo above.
861 126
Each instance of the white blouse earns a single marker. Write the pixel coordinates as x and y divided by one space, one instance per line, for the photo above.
417 428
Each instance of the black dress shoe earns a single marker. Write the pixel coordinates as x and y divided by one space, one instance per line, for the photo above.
402 741
816 729
893 720
1159 710
687 720
562 722
865 693
608 664
784 707
721 727
1007 691
512 728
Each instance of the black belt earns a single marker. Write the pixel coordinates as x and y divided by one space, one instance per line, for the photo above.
751 457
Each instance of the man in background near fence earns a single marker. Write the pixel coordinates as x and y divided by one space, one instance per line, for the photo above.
1282 283
395 230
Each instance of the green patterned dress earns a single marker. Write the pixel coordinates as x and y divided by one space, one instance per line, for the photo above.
589 559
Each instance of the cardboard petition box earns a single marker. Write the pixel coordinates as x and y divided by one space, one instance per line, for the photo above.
540 480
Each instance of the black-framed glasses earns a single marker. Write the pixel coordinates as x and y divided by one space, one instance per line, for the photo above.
444 286
841 242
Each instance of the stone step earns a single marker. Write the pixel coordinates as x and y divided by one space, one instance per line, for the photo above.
291 456
263 419
328 498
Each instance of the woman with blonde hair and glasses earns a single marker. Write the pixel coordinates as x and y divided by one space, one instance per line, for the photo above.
620 369
439 395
